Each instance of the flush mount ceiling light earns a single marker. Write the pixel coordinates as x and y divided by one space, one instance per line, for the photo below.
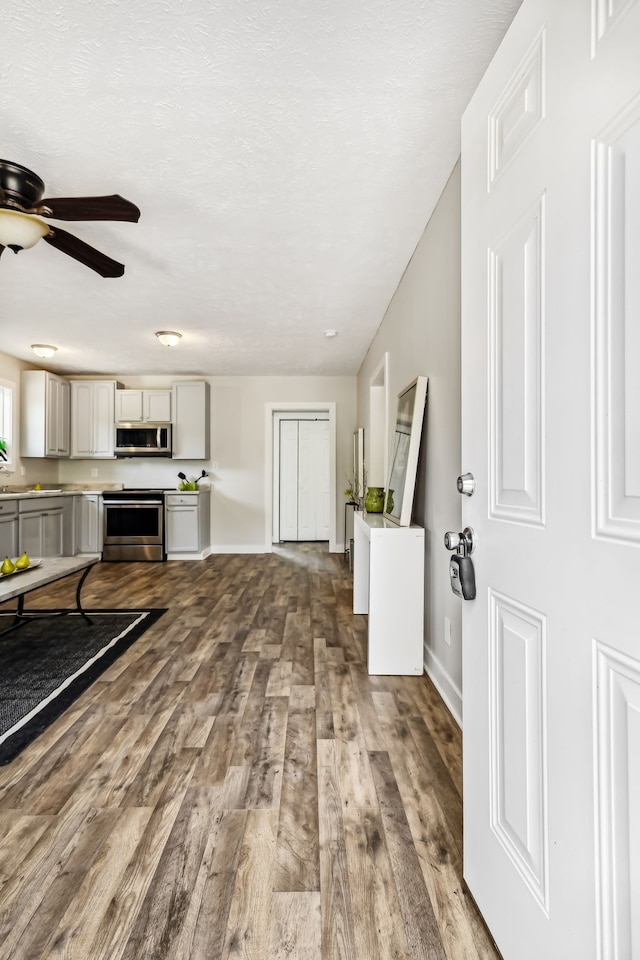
44 350
330 333
169 337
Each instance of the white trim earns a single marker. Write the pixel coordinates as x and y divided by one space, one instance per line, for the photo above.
292 407
201 555
241 548
445 686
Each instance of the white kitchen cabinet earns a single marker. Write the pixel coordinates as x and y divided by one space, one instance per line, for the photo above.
136 406
92 419
388 585
191 420
8 529
40 527
44 414
187 530
88 516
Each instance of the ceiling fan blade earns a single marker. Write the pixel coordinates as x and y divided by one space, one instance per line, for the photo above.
113 207
81 251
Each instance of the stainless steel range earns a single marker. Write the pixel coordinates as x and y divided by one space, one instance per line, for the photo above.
133 525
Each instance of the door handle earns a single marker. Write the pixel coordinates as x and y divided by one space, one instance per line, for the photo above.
462 576
463 543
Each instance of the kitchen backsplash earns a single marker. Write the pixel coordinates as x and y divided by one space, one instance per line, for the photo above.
138 472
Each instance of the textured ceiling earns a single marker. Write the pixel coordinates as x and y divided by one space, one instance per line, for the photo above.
285 154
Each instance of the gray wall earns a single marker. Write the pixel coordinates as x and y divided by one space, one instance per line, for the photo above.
421 335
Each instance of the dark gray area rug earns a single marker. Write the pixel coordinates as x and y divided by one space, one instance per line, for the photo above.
47 663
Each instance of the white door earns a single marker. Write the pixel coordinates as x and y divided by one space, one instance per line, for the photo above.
53 416
64 419
128 406
81 419
313 480
157 405
304 480
103 412
551 430
87 521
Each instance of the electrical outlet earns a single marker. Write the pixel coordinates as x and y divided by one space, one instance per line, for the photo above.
94 471
447 631
214 465
23 471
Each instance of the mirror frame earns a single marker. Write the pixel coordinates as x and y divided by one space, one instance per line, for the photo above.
358 466
403 462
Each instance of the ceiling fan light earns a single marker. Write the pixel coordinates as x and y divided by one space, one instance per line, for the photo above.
43 350
20 230
169 337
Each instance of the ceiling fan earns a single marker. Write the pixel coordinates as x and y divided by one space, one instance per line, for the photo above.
22 205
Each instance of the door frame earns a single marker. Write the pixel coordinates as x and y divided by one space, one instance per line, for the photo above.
272 466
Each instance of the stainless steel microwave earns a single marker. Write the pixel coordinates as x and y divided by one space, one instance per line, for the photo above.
143 439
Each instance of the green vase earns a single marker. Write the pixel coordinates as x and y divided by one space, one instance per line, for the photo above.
374 500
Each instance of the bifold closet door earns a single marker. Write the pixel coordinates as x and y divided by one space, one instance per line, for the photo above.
304 480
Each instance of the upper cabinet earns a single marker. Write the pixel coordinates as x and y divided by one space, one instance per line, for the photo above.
92 418
44 414
138 406
76 418
191 420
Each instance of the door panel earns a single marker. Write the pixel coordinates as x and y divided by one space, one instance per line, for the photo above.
64 418
515 376
313 480
304 480
52 414
288 479
550 350
518 738
618 712
617 283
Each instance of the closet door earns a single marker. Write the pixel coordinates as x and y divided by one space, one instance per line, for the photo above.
304 480
288 479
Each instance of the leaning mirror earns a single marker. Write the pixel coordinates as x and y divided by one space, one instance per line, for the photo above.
403 464
358 465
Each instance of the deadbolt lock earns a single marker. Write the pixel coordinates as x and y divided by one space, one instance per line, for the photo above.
466 484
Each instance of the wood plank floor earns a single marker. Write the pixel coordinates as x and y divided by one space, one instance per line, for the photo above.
237 786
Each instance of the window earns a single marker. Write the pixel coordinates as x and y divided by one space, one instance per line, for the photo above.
6 423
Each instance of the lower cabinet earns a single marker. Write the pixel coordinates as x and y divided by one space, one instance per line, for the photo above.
388 585
40 527
8 529
88 516
187 531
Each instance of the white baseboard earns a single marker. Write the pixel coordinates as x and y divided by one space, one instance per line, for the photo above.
190 556
445 686
239 548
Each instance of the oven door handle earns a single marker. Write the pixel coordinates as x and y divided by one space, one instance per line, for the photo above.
133 503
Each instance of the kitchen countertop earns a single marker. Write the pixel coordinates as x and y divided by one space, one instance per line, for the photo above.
73 489
64 490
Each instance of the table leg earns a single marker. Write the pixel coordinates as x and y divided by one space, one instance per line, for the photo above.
84 576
